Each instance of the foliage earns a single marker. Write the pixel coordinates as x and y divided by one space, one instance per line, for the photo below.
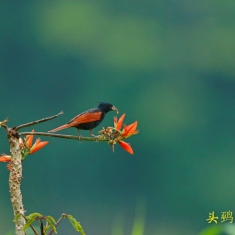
50 223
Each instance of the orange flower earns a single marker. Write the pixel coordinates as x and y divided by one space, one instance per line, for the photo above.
126 146
125 133
130 130
5 158
29 140
118 123
127 130
37 145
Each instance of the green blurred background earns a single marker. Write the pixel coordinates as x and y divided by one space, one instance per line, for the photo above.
168 64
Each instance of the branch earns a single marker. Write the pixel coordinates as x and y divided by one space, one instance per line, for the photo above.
64 136
15 180
3 124
38 121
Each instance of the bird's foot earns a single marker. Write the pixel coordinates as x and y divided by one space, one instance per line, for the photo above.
79 138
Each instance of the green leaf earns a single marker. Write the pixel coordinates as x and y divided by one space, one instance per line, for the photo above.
53 228
46 228
17 216
77 226
28 223
33 216
30 219
51 219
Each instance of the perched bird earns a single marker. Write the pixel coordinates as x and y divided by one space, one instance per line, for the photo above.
89 119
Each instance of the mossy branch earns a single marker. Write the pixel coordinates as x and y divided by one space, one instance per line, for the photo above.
15 181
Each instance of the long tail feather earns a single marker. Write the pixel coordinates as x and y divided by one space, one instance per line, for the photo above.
60 128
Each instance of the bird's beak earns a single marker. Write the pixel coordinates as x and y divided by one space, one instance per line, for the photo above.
114 108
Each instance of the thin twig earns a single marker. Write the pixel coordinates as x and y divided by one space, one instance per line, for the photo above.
31 226
38 121
41 227
63 136
5 126
61 217
2 124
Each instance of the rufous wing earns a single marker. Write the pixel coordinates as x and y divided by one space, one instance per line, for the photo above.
85 118
79 119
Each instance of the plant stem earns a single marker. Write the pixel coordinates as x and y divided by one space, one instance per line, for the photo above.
15 180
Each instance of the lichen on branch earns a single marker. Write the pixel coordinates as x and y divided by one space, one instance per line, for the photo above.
15 180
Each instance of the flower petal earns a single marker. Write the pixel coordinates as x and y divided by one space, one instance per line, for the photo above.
126 146
5 158
130 129
29 140
38 145
120 121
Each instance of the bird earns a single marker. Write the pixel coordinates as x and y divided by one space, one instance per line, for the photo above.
88 119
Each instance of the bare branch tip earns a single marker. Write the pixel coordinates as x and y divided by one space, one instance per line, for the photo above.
2 124
4 121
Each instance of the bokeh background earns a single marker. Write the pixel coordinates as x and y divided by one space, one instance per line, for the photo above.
169 65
